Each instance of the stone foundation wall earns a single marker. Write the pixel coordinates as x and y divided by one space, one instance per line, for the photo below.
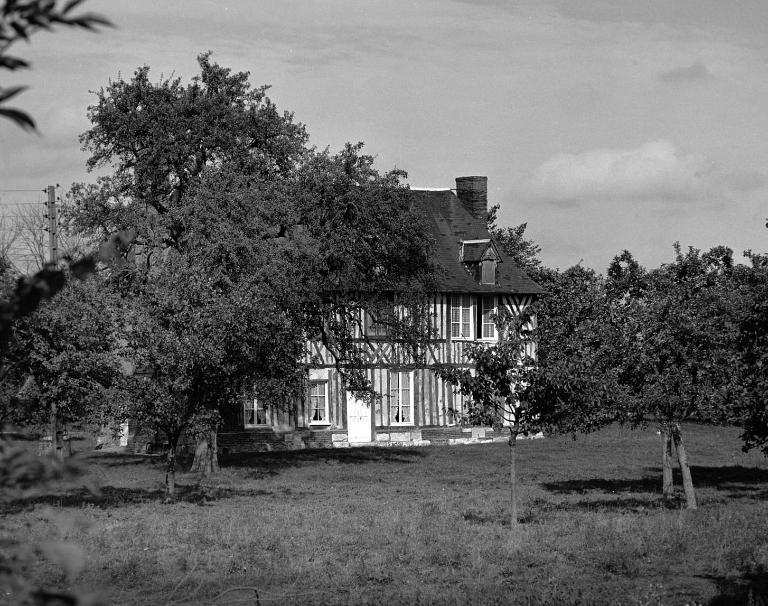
266 439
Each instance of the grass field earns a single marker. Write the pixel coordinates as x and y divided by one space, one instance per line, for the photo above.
418 526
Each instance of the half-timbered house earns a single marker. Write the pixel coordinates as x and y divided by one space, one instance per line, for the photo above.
416 407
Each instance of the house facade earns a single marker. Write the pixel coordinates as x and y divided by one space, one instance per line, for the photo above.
415 406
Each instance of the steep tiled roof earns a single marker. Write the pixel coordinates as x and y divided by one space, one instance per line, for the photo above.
450 224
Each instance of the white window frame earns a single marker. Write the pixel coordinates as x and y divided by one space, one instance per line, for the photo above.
252 405
326 418
491 322
465 315
395 398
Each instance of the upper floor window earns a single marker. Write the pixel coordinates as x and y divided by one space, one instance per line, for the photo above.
400 398
318 402
461 317
254 413
374 328
488 314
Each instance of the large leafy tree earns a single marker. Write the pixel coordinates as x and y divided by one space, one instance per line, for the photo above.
247 243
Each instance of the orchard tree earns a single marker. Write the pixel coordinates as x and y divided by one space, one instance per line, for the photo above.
576 385
747 404
679 337
198 343
61 361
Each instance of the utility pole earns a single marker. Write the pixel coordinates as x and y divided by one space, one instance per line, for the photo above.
53 259
53 227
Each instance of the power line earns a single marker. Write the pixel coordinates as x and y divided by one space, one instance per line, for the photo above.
4 191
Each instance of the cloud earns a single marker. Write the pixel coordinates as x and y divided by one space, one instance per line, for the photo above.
655 170
696 71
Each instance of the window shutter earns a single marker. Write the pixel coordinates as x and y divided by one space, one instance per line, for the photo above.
488 272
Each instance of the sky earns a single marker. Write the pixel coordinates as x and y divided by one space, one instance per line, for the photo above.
604 124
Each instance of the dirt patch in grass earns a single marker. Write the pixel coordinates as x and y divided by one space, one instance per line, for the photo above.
417 526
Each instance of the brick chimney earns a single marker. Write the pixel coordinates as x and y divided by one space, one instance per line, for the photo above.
473 193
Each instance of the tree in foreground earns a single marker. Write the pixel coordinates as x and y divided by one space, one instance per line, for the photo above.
497 386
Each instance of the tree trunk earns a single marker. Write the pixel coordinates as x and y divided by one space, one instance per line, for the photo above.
666 462
170 473
59 449
512 475
682 457
206 459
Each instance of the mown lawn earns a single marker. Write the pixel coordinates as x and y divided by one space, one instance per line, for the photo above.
418 526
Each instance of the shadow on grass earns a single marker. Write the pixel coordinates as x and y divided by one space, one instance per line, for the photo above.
750 589
539 511
110 497
624 504
261 464
271 462
737 481
120 459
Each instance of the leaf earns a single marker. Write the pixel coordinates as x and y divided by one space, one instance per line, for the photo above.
12 63
21 118
89 21
70 5
19 29
7 93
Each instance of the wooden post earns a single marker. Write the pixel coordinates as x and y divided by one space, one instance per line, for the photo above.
666 462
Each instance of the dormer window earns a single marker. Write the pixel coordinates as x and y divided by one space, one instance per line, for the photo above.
481 258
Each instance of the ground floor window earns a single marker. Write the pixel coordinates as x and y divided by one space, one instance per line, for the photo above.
400 398
254 413
318 402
